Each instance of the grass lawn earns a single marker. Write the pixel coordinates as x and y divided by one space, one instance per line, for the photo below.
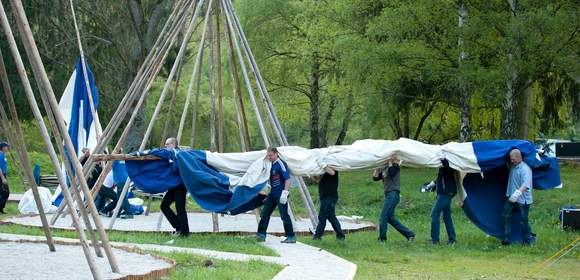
199 267
475 256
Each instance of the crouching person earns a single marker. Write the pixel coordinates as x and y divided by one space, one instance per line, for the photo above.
278 196
328 192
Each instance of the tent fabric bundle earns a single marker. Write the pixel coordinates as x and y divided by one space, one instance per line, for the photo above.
232 182
76 111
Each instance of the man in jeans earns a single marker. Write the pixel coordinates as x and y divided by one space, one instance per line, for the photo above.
391 177
519 198
278 196
177 195
327 190
446 187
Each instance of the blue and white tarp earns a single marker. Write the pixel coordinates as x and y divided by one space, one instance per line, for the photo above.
76 111
231 182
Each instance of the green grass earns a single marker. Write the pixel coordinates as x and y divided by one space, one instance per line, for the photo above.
198 267
475 256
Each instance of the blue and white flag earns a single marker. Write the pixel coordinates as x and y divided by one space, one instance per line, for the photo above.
76 110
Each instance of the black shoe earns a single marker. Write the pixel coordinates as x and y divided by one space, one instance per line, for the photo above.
126 216
411 238
451 242
316 238
433 242
382 240
341 238
505 243
2 212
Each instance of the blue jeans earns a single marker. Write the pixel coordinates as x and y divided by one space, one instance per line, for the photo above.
327 212
267 210
125 206
392 198
442 204
508 209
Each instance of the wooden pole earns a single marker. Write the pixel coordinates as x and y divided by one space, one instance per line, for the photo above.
22 146
23 156
147 70
180 54
194 73
307 199
214 216
46 89
241 111
220 131
169 116
247 79
142 85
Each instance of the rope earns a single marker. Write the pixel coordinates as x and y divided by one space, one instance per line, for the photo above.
557 256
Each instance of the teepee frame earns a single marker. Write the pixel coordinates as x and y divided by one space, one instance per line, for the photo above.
237 47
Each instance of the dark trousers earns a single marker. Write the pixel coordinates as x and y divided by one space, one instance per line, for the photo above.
392 199
442 205
179 221
125 206
267 210
4 194
508 209
104 194
327 212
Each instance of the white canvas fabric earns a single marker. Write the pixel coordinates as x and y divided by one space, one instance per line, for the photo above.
252 167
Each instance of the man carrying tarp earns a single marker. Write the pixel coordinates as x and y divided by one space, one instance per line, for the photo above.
328 192
446 187
519 198
178 196
4 190
278 196
391 176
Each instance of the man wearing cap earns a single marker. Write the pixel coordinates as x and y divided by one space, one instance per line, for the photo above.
4 190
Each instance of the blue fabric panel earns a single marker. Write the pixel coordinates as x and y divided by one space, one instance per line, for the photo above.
210 188
495 154
36 173
485 200
154 176
120 173
256 202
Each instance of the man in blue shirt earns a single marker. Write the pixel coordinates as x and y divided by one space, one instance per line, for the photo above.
519 198
278 196
4 190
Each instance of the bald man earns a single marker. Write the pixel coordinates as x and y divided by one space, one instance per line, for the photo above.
519 198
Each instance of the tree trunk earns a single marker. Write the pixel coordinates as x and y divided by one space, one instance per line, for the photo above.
346 120
327 119
464 94
146 31
314 102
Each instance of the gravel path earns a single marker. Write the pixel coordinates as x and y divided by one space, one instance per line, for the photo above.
24 260
300 261
198 222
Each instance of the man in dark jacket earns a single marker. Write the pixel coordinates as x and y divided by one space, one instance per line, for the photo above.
391 177
446 187
328 192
